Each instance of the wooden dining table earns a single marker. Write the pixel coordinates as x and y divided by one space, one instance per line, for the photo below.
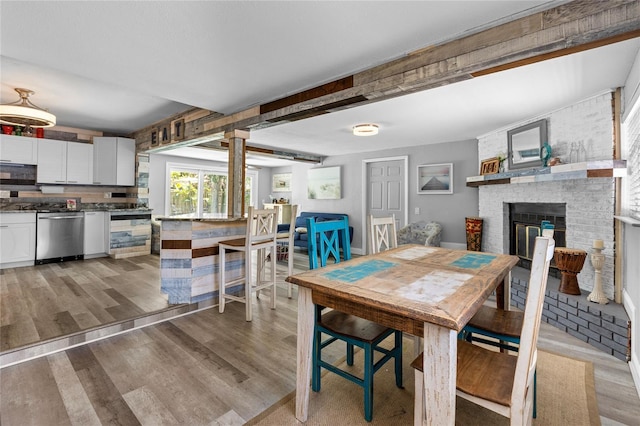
429 292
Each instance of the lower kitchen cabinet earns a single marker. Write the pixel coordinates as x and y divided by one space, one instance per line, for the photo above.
96 231
17 239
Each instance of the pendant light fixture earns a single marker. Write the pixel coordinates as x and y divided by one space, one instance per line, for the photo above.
365 129
24 113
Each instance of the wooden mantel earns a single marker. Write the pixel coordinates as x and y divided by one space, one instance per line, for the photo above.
568 28
589 169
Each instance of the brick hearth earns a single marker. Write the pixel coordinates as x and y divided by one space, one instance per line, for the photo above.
606 327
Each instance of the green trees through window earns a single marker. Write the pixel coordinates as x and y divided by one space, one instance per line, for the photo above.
202 193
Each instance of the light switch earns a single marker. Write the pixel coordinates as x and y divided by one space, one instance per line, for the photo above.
417 210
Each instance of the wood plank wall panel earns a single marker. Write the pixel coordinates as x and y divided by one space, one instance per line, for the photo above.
189 258
130 238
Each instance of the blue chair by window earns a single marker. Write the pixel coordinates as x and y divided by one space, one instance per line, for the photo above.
323 243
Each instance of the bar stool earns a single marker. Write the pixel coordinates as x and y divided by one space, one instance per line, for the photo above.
262 228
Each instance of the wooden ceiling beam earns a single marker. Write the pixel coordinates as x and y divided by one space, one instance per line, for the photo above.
566 29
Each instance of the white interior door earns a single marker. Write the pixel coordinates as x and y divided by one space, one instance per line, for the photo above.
386 195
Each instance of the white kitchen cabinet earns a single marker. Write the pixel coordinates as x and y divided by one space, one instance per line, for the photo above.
79 163
52 161
65 162
96 230
17 239
114 161
284 216
18 149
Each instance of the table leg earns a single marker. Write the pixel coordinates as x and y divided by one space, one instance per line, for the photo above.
503 293
439 376
305 347
506 302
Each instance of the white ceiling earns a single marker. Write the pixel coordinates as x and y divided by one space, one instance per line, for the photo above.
120 66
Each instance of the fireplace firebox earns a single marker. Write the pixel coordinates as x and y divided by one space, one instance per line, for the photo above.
525 225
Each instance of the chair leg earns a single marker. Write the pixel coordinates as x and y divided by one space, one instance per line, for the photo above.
273 278
349 354
316 358
368 382
221 286
290 265
398 359
418 406
535 393
247 285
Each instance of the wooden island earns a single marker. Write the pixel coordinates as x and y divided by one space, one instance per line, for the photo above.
189 256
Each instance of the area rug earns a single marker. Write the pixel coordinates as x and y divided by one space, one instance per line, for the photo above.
566 396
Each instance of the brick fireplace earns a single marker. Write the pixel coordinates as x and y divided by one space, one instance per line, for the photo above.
581 203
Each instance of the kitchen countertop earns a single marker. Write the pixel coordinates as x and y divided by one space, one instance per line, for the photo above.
139 210
203 219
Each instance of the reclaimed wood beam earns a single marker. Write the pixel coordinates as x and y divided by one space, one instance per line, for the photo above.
563 30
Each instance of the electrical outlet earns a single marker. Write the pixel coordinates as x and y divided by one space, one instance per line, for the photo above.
417 210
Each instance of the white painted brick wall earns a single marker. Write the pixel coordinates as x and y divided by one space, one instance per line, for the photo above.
590 202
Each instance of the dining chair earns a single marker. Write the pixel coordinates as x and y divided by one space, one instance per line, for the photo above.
382 233
323 243
287 238
499 381
261 234
500 328
383 236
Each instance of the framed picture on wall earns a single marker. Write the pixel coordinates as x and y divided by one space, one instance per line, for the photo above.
435 178
281 182
324 183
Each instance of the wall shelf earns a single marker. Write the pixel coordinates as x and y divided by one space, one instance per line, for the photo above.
586 170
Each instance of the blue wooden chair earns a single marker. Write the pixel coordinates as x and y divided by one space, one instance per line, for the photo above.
323 243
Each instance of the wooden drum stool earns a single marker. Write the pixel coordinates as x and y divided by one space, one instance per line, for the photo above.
569 262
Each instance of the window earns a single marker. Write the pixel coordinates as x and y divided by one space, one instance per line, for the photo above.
202 192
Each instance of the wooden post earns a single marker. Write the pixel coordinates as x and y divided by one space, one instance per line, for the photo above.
237 162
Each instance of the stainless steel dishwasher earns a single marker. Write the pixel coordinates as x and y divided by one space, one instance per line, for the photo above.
59 237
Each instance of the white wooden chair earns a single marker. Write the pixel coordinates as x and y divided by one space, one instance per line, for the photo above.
382 233
288 238
498 381
261 234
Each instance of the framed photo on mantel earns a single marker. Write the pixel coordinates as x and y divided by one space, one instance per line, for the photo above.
525 143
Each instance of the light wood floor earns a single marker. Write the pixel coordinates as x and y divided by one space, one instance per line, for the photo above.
43 302
216 369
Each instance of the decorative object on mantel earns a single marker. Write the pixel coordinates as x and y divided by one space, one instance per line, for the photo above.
570 262
24 113
490 166
473 227
545 154
554 161
597 260
525 144
577 154
589 169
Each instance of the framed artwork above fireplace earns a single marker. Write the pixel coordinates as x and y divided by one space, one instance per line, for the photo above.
525 143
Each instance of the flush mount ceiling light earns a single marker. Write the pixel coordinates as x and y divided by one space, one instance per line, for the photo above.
24 113
365 129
